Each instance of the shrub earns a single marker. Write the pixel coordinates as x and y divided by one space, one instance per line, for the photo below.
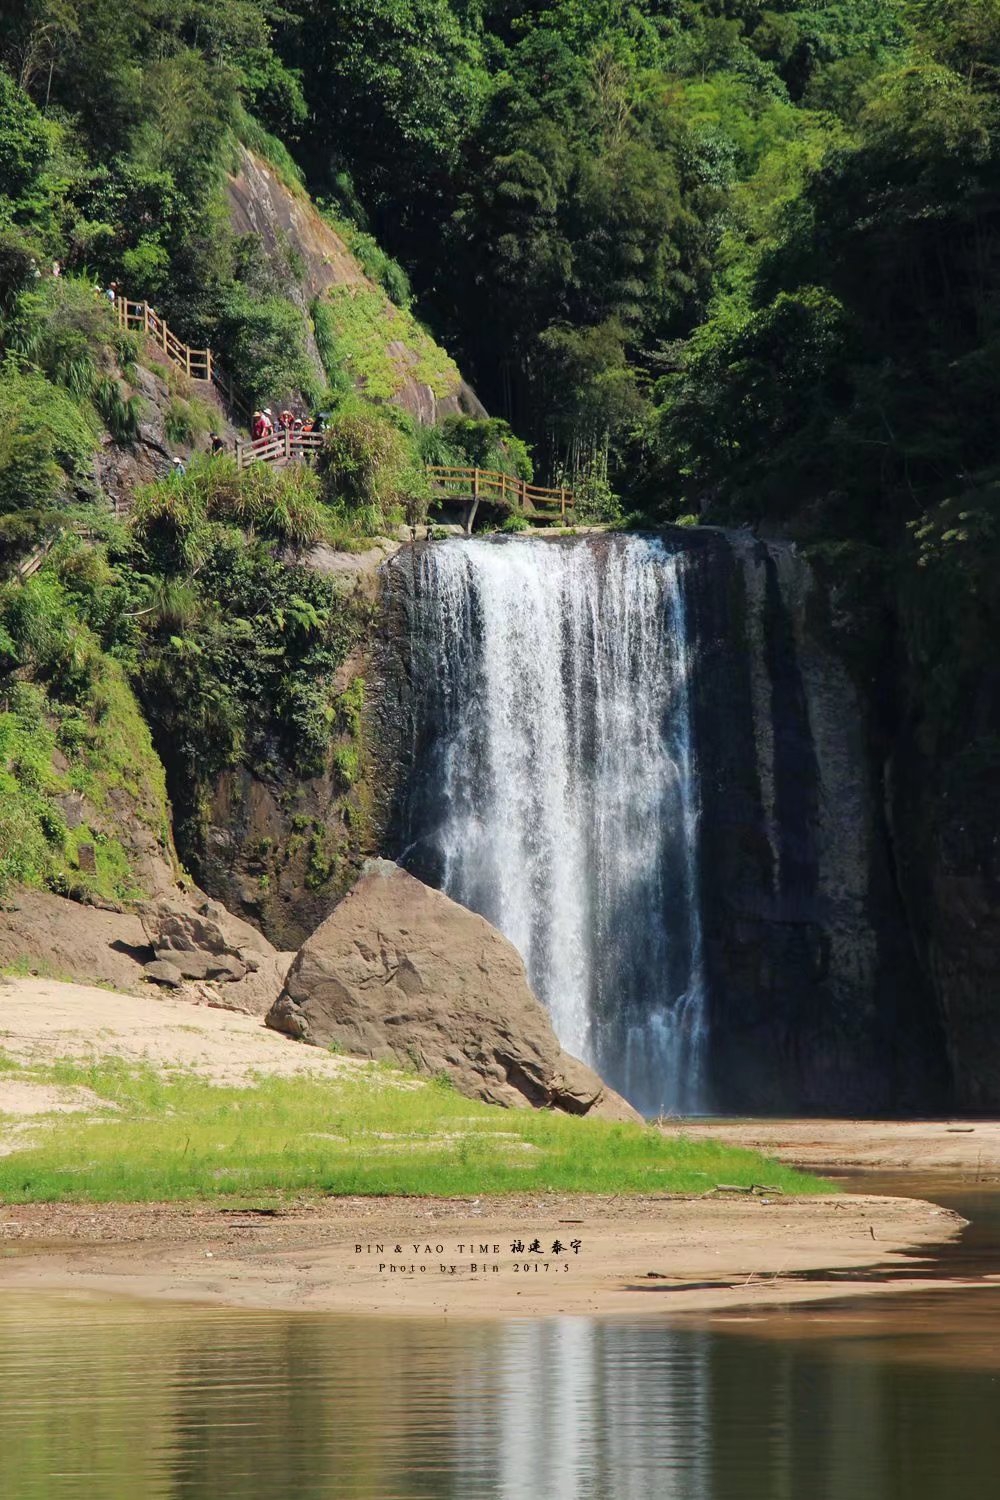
168 522
68 332
335 368
595 500
19 258
369 468
283 504
187 419
484 444
262 339
46 442
119 412
171 518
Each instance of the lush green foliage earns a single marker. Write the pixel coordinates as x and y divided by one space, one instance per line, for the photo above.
485 444
667 237
177 1137
368 468
233 652
360 330
46 443
71 737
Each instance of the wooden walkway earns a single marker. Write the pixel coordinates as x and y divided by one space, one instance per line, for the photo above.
280 448
469 487
139 316
197 364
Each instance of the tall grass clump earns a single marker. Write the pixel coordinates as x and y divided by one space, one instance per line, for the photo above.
370 469
170 517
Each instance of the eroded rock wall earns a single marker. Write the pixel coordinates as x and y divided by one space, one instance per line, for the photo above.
817 999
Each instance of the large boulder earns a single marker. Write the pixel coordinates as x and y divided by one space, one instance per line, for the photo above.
401 973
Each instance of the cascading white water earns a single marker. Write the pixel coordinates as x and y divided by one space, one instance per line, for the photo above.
554 787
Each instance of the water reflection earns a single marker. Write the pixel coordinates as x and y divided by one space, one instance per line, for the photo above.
108 1401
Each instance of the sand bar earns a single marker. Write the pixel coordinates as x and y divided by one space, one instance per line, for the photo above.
968 1148
635 1256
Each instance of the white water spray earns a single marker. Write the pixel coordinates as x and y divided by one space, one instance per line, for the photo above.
555 787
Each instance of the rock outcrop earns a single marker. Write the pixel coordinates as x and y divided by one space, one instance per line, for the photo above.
817 1002
312 261
400 972
199 940
181 942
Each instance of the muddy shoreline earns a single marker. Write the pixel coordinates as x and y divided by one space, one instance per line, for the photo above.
635 1255
621 1256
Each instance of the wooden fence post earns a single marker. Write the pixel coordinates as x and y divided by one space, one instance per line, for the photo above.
471 512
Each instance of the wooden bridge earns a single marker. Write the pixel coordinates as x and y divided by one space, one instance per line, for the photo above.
281 447
460 486
534 502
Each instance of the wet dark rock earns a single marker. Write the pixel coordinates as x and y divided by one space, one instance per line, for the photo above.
818 1001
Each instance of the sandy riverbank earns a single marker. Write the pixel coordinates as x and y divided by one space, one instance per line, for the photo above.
635 1254
968 1148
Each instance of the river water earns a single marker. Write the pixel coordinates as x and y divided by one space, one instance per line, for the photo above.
883 1398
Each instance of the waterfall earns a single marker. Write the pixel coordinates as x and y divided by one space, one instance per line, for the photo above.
553 786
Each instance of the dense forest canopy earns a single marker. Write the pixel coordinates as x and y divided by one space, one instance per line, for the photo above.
668 241
675 241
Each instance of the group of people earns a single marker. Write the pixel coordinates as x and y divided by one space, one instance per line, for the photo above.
263 424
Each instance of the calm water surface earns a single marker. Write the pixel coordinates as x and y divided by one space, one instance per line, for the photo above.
881 1399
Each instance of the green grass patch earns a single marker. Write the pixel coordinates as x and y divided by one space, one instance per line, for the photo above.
176 1137
357 335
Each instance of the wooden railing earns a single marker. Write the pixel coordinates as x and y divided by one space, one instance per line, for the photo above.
30 565
475 485
197 363
280 447
468 486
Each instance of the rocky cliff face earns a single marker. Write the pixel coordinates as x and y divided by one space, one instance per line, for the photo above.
946 832
816 997
850 939
399 362
281 849
818 1001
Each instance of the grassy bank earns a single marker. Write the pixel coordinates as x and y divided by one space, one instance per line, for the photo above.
176 1137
